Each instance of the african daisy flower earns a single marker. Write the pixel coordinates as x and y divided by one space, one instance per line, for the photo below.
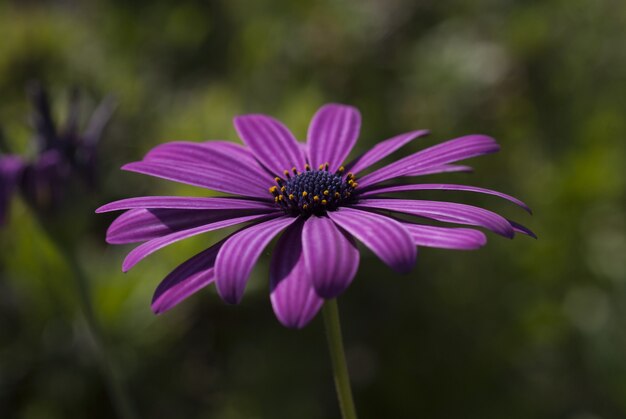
319 205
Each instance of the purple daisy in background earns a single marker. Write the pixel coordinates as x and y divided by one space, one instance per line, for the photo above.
63 153
320 204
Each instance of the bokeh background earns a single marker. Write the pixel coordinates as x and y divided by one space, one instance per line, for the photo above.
519 329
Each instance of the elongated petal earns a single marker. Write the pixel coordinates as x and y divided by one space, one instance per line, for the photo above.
441 154
142 251
446 238
239 254
387 238
272 143
443 211
223 154
293 297
445 168
333 132
331 256
444 187
176 202
142 224
218 179
187 279
518 228
382 150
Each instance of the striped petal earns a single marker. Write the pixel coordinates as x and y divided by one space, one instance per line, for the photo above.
444 187
445 168
239 254
382 150
333 132
196 174
387 238
441 154
330 255
187 279
293 297
176 202
272 143
142 224
146 249
448 212
223 154
446 238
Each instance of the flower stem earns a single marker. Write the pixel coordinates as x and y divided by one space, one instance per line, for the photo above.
338 357
117 393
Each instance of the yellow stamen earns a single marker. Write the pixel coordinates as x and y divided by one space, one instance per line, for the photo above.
305 206
305 193
337 195
291 197
307 167
280 197
341 169
354 185
324 202
326 193
286 172
294 170
316 198
283 189
275 199
273 189
326 166
321 167
349 175
277 179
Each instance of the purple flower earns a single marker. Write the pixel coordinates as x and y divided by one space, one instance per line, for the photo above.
63 151
62 154
304 191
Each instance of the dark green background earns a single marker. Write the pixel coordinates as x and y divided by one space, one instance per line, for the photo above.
519 329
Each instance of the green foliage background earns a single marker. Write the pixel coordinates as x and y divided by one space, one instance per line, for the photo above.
520 329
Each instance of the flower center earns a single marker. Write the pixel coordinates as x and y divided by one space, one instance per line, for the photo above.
313 191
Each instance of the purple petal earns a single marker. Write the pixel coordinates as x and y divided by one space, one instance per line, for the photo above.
191 203
448 212
330 255
442 186
222 154
386 237
382 150
441 154
446 168
333 132
271 142
219 179
142 224
518 228
142 251
293 297
239 254
188 278
446 238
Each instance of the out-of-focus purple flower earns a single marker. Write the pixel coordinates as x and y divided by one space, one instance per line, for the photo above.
63 153
304 192
11 168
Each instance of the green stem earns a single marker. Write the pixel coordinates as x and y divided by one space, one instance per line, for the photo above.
337 355
117 392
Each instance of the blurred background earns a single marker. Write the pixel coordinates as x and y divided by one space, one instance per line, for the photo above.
519 329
